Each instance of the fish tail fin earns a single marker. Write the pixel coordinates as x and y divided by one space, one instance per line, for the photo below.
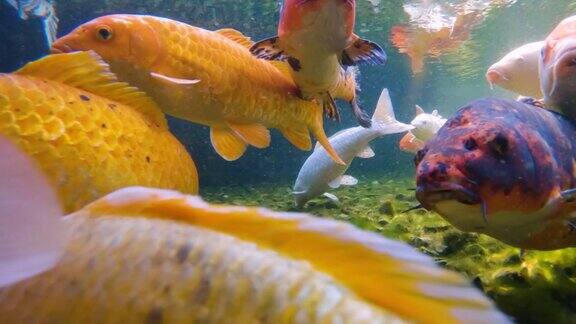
384 118
317 129
390 276
32 238
50 26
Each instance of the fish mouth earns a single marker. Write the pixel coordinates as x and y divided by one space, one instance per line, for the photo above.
430 196
61 48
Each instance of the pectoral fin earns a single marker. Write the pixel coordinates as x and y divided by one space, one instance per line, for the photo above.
170 80
333 198
226 143
269 49
366 153
330 108
363 52
253 134
334 184
348 180
299 137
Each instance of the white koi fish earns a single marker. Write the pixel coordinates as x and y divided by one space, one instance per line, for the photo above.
319 173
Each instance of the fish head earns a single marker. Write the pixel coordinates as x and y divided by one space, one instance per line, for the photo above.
558 66
426 125
481 173
517 71
116 38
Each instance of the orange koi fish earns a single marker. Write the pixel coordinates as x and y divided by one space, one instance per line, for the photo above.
316 37
90 133
206 77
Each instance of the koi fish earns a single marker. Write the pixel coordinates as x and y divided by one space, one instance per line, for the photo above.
90 133
505 169
433 39
319 173
149 255
317 39
205 77
43 9
558 68
425 126
517 71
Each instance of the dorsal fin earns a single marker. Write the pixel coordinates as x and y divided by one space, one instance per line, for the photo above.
419 110
387 274
87 71
236 36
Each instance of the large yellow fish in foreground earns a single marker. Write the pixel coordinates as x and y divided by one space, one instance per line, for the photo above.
90 133
206 77
156 256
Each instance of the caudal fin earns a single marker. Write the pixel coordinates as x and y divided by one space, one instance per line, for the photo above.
384 118
32 237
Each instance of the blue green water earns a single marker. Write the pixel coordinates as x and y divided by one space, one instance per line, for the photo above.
264 177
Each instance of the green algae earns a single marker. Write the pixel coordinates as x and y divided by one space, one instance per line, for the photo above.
537 287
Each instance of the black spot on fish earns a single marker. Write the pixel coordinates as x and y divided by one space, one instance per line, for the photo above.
70 102
104 126
294 64
183 252
148 159
112 106
499 146
84 98
155 316
442 168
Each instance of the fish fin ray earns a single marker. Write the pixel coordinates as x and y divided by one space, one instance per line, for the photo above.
299 137
384 117
253 134
226 143
335 183
32 237
174 81
388 274
366 153
236 36
87 71
332 197
348 180
419 110
363 51
269 49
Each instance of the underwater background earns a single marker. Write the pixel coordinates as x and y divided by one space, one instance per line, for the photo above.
539 288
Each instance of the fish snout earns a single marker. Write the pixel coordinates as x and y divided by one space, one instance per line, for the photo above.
495 77
440 181
60 47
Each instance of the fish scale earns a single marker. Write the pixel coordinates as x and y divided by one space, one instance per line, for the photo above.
113 145
187 275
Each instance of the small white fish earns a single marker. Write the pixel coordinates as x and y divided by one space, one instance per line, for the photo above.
425 127
319 173
43 9
517 71
32 238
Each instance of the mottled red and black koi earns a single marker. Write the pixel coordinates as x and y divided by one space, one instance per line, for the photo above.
505 169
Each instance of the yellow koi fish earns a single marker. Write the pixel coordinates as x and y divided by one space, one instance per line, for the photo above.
206 77
144 255
90 133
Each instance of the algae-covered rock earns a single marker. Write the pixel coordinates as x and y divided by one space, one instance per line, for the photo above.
537 287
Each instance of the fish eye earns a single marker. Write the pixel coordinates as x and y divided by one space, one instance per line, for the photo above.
470 144
104 33
420 156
